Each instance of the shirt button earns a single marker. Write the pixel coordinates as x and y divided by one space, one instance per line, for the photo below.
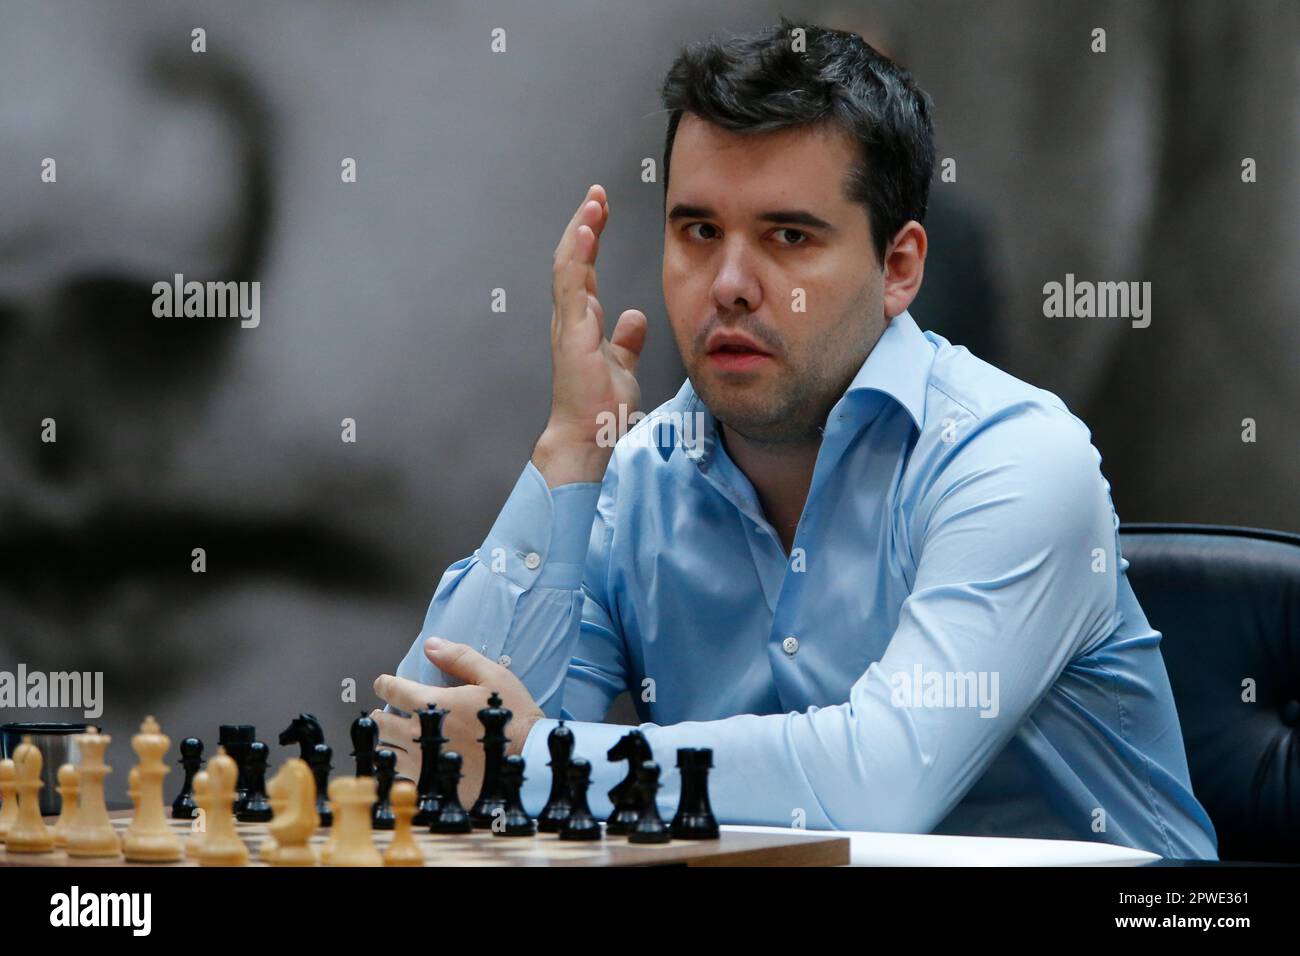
531 560
504 660
790 645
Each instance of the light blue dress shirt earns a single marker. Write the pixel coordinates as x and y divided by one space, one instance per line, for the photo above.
951 646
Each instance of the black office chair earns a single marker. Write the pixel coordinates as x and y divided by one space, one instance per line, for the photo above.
1227 601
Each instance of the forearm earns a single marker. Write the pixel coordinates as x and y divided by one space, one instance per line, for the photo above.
755 779
518 599
773 770
871 763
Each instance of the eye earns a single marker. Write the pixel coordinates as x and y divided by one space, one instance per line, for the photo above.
796 232
694 224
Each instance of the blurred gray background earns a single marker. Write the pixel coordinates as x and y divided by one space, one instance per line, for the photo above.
376 296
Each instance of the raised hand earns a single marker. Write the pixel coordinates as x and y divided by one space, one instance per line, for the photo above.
592 377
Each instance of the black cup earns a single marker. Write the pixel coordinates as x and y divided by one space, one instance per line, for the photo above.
57 745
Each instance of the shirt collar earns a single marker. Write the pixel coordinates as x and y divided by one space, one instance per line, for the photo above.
898 366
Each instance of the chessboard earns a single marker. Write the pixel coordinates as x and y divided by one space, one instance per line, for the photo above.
485 848
370 818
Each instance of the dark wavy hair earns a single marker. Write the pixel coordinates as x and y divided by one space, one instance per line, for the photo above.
757 82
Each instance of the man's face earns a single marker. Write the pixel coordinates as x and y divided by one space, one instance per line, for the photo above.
758 228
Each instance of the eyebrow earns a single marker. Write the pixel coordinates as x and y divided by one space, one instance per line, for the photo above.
781 217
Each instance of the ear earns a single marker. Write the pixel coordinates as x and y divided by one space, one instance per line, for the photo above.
904 268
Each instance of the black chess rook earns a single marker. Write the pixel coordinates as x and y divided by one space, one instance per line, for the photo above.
694 819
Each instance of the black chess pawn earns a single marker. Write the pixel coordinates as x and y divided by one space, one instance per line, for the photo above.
184 807
650 827
430 741
579 824
635 749
451 817
319 761
515 821
491 799
365 741
382 817
305 731
694 819
558 804
257 808
236 738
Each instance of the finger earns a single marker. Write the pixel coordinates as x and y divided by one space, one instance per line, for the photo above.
596 309
581 243
393 730
407 695
628 338
462 661
598 228
566 237
572 286
595 193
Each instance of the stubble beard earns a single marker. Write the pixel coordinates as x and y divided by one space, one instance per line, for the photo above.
790 411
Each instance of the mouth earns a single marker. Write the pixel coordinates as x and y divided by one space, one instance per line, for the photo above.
737 358
731 350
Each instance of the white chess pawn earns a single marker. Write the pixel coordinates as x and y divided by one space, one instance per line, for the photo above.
403 850
8 797
215 795
29 834
69 796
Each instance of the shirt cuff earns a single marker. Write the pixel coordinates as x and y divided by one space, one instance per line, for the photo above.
541 536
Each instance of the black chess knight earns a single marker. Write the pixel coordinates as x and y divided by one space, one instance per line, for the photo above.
305 731
635 749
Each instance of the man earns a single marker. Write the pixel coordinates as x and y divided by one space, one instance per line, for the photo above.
880 578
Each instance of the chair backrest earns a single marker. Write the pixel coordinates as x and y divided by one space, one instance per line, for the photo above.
1227 602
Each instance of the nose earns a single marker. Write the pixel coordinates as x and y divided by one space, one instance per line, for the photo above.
736 286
